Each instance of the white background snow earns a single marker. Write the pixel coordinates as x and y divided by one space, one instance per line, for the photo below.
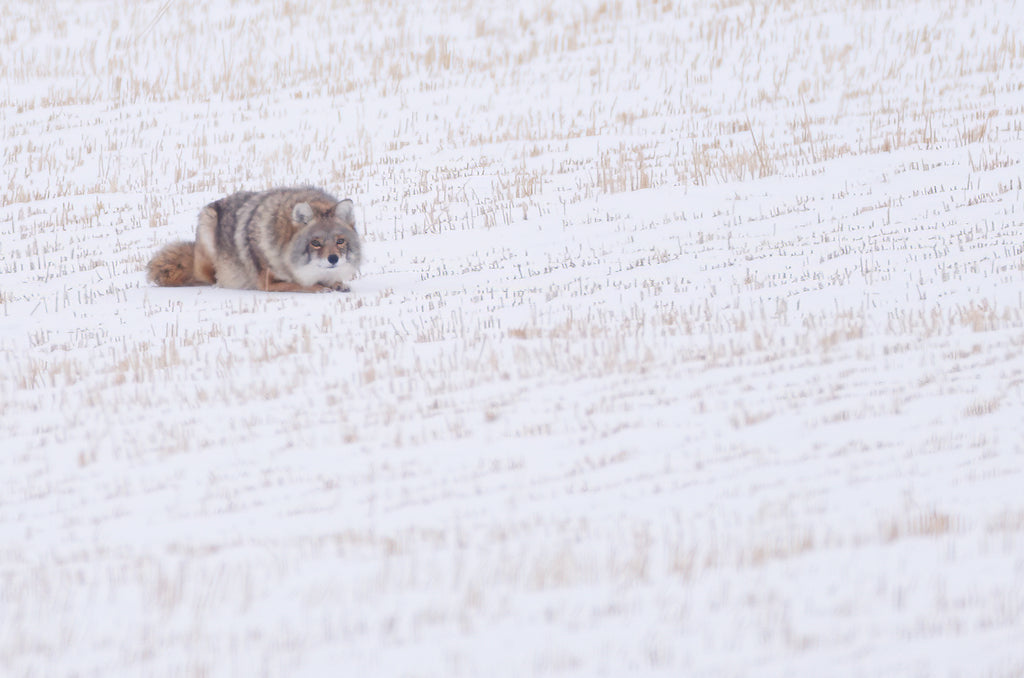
688 343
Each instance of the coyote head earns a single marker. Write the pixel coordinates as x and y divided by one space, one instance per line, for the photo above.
326 246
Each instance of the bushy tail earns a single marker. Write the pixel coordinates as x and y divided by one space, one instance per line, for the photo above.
173 265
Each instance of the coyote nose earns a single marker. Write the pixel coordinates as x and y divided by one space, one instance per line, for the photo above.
333 259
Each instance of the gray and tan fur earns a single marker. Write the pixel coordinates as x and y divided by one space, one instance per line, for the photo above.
281 240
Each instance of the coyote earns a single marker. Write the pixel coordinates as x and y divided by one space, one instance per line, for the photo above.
281 240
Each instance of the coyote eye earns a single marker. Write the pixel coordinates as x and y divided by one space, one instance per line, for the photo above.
341 242
315 244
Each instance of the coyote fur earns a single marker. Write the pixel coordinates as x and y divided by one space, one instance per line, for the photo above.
281 240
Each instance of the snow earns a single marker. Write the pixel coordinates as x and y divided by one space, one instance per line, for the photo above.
687 342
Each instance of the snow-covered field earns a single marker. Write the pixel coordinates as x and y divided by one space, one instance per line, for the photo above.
689 341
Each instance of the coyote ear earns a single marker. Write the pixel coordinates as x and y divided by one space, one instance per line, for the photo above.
343 210
302 213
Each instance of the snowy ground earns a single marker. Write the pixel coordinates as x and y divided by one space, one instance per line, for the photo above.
689 342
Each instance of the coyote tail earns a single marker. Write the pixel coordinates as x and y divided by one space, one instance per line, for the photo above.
173 265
